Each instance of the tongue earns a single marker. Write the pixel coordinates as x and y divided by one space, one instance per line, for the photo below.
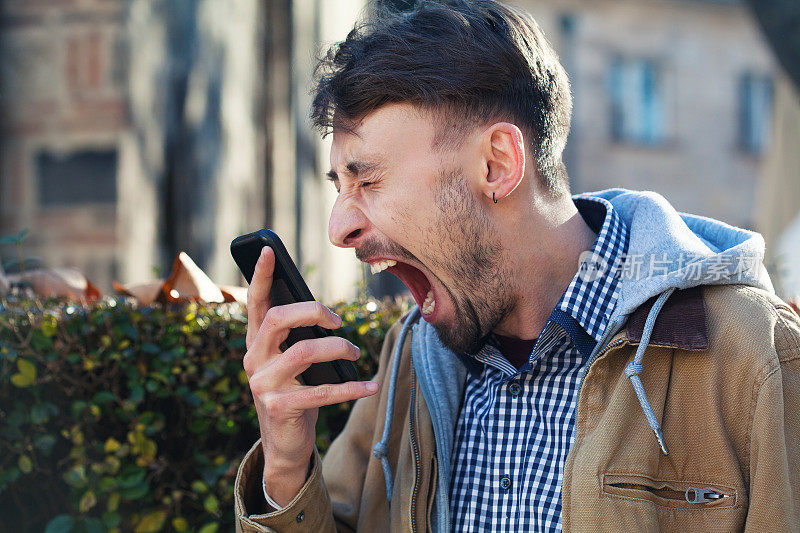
414 279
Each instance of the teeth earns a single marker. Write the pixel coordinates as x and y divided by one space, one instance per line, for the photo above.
380 266
429 304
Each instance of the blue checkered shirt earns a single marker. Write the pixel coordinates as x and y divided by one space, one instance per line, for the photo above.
516 426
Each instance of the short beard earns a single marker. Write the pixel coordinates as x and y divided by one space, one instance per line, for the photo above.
475 263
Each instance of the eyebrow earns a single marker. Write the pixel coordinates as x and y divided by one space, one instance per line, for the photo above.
357 169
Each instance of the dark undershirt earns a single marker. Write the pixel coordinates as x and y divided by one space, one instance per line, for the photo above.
517 351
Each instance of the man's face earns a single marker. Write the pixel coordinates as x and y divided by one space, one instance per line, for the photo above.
402 201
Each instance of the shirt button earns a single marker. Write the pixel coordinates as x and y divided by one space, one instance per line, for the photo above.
505 482
514 389
300 516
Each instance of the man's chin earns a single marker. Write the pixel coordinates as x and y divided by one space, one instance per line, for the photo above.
456 341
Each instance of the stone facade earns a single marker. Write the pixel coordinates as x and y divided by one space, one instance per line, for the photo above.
65 100
703 49
61 94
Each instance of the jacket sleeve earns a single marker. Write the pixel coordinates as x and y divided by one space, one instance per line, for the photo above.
775 437
315 508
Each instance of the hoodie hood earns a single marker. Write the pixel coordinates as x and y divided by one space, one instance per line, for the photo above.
667 251
672 250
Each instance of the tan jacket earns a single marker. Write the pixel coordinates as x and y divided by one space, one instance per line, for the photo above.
722 372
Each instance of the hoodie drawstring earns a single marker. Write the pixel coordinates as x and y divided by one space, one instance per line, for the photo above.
381 449
634 368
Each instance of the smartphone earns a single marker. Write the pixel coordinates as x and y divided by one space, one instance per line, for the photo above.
288 286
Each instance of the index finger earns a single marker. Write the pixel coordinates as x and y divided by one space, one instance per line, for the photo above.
259 299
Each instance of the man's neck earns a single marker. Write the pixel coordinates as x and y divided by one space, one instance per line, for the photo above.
543 273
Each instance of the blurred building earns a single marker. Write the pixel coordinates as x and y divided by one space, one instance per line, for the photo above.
670 95
133 130
63 104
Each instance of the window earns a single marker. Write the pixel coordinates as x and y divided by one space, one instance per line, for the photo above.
78 178
637 101
755 112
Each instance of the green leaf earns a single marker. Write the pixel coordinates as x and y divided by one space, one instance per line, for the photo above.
77 407
199 487
132 477
27 374
88 500
9 475
180 524
149 347
111 519
137 393
49 326
107 484
151 522
103 397
41 412
63 523
135 492
111 445
113 501
26 368
130 332
21 381
76 476
211 527
44 443
25 464
40 342
93 525
211 504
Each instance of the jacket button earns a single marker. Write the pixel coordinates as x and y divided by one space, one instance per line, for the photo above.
505 482
300 516
514 389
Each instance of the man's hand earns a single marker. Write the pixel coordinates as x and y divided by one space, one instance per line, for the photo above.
287 411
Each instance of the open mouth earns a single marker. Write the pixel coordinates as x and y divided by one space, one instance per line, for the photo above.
413 278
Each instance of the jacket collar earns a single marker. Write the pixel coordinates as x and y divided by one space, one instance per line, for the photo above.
681 323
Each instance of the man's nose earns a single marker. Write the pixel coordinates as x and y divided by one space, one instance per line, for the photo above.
347 224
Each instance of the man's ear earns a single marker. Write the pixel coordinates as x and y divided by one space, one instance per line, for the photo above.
503 147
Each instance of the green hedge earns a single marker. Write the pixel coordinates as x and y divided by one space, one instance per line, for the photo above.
118 417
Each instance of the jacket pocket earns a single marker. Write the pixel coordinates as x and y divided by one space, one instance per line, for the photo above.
669 493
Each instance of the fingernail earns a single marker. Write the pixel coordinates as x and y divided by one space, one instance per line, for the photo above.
371 386
337 318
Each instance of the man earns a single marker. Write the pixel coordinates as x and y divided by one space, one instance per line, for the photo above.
589 363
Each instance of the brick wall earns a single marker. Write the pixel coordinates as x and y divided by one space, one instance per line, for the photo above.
61 94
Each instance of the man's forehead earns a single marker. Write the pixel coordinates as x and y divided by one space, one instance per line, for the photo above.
388 129
354 154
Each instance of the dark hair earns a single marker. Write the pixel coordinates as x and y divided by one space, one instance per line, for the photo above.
470 61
